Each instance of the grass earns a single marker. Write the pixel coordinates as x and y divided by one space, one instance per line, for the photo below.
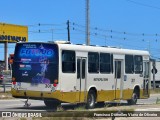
23 118
61 118
81 115
6 95
158 101
80 108
157 90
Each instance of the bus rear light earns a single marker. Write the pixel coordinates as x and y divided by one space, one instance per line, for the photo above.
13 83
56 81
54 84
13 79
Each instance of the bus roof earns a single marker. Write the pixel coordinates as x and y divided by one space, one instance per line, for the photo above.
102 49
81 47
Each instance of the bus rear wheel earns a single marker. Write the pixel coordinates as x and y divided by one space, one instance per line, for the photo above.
51 103
91 100
133 100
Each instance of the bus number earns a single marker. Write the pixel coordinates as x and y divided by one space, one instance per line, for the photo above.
47 85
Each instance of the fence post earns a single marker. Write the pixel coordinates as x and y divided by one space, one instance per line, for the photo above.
4 86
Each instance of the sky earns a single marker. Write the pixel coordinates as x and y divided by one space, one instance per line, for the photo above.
130 24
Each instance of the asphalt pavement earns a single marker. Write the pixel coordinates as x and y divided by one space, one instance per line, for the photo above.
17 105
38 105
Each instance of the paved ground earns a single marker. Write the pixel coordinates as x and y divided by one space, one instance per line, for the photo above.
145 105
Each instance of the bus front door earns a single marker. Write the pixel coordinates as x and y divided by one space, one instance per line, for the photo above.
146 78
81 80
118 79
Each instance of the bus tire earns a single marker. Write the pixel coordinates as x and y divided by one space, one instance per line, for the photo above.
51 103
133 100
91 100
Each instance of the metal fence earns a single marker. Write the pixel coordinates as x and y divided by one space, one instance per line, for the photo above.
5 87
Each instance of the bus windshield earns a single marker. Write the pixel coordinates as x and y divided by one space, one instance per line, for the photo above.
35 63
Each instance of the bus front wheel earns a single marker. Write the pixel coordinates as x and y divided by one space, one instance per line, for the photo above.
91 100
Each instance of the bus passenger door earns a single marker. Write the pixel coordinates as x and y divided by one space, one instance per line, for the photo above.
81 80
118 79
146 79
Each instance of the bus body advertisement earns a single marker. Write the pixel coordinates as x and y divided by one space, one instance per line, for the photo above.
57 73
35 66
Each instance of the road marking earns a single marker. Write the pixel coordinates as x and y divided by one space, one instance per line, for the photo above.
22 105
21 100
145 103
148 109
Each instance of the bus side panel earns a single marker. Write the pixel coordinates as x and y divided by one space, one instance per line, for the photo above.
104 83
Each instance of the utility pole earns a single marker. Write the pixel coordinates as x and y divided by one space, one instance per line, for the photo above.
154 72
68 30
6 54
87 23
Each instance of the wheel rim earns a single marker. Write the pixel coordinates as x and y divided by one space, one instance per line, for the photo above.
134 97
91 100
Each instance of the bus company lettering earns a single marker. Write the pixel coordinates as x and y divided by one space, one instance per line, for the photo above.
36 52
12 38
100 79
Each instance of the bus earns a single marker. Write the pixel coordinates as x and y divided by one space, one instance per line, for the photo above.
61 72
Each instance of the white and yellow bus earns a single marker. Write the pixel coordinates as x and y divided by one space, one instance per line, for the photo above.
66 73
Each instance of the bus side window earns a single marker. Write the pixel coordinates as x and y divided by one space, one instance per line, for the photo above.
129 64
111 63
68 61
105 63
138 64
93 62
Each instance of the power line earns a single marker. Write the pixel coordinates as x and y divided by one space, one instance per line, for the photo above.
142 4
123 39
45 24
45 30
116 32
118 36
109 36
